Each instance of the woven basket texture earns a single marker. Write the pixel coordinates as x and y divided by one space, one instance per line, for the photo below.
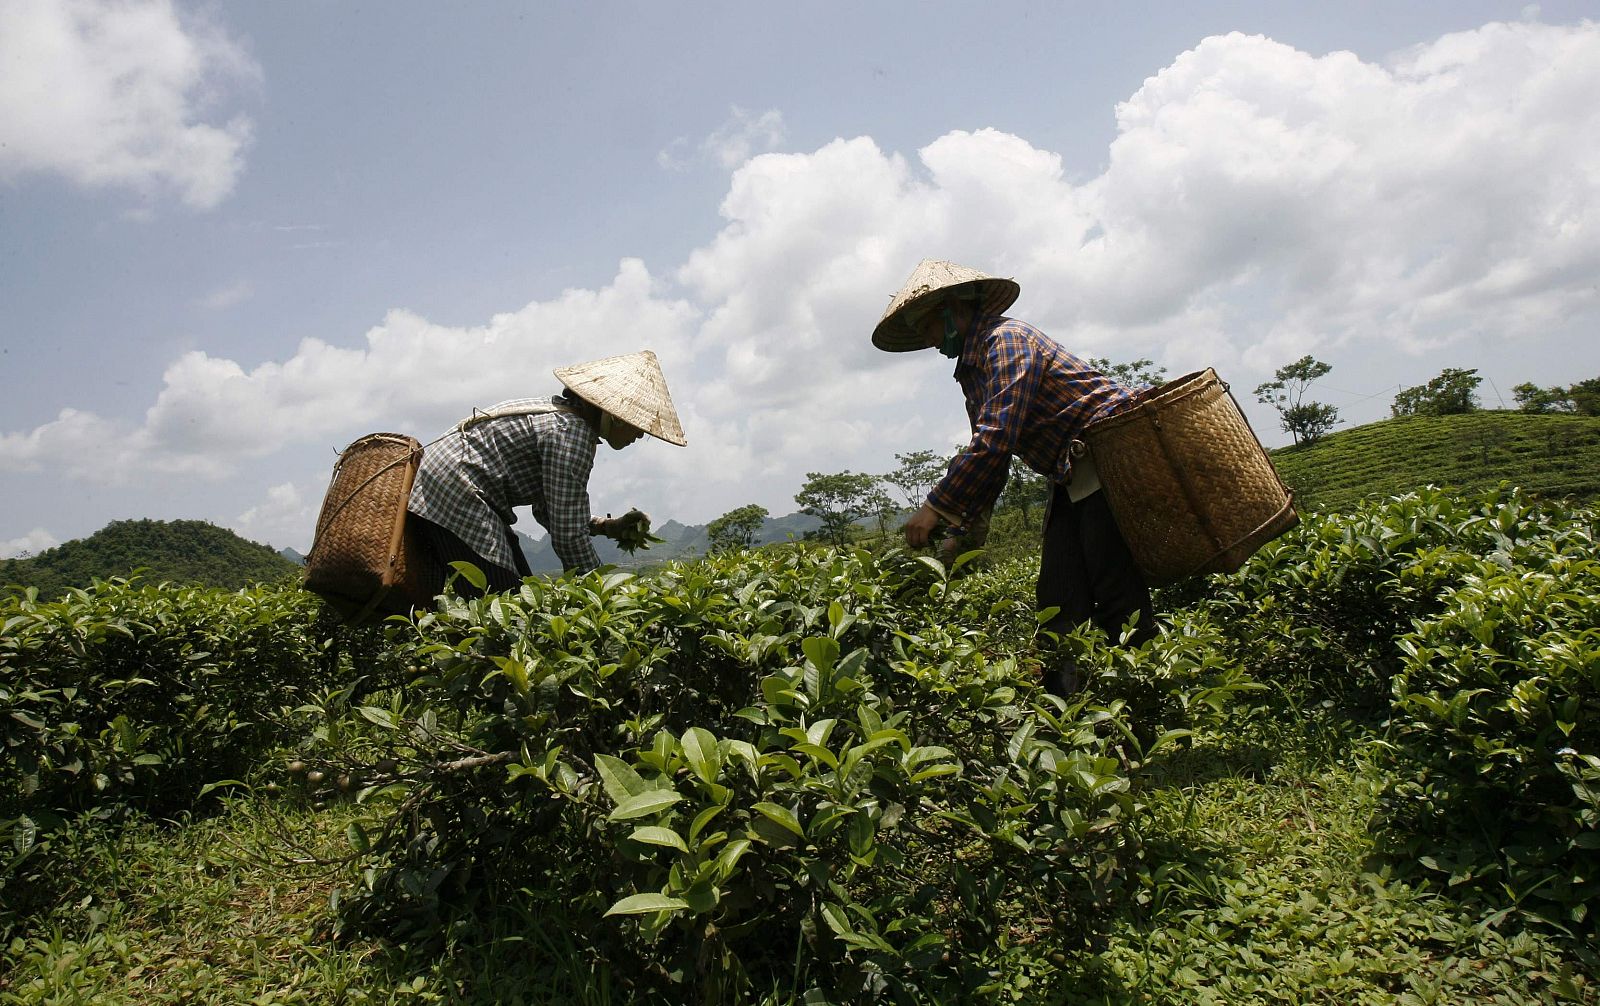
1191 487
359 558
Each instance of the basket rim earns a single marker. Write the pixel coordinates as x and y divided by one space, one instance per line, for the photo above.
1161 397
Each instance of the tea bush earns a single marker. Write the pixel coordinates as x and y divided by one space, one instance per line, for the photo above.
1496 728
1322 608
790 765
128 696
807 769
1471 625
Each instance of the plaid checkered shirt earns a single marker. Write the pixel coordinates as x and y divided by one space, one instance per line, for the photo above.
1026 396
472 478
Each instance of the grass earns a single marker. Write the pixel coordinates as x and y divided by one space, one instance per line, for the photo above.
1268 888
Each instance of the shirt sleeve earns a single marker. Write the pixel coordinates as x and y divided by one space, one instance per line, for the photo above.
1011 372
567 459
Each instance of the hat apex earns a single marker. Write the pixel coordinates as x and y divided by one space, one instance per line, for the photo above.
630 387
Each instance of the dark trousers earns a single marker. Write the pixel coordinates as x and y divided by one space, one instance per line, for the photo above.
443 546
1086 570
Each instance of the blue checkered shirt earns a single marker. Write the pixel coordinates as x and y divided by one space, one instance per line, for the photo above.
472 478
1026 396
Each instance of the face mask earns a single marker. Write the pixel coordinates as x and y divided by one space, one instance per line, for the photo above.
950 345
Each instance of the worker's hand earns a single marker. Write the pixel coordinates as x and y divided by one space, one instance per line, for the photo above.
921 525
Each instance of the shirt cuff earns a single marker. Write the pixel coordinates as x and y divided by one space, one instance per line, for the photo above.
948 515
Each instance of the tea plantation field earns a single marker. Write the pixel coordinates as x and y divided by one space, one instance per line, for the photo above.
1364 769
1551 455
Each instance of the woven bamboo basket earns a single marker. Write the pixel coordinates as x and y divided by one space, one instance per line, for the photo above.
1190 485
359 558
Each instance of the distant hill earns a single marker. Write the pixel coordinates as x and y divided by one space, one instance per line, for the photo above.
1551 455
679 541
179 551
292 556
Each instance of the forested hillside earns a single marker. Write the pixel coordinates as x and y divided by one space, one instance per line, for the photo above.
180 551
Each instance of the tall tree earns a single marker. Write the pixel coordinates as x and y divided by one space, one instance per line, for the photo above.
919 472
1585 397
1304 421
1532 398
737 528
1452 393
1137 373
838 500
881 506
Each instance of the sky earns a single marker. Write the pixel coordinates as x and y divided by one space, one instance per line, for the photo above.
236 237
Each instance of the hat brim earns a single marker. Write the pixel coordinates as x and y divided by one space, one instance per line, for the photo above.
895 334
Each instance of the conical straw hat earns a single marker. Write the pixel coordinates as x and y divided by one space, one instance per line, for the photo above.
931 276
630 387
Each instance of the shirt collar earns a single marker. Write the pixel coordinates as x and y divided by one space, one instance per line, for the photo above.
972 348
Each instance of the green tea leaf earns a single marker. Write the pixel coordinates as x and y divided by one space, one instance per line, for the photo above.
639 904
644 804
659 836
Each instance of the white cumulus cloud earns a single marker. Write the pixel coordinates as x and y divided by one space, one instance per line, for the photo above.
285 515
32 543
115 93
1258 203
213 414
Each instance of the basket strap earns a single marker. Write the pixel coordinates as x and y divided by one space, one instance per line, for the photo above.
478 416
1288 507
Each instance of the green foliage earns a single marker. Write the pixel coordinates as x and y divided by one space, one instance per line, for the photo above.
1551 455
1582 398
808 770
1267 887
839 501
1139 373
1306 422
179 551
1532 398
918 473
1585 397
814 773
1026 492
1497 727
134 697
1452 393
1475 622
737 528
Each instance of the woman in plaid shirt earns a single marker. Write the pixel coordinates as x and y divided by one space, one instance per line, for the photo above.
533 452
1026 396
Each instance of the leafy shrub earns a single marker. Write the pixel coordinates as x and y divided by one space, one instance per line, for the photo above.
1472 625
1497 731
788 764
1322 608
132 696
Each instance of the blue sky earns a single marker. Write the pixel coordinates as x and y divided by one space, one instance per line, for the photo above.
234 237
